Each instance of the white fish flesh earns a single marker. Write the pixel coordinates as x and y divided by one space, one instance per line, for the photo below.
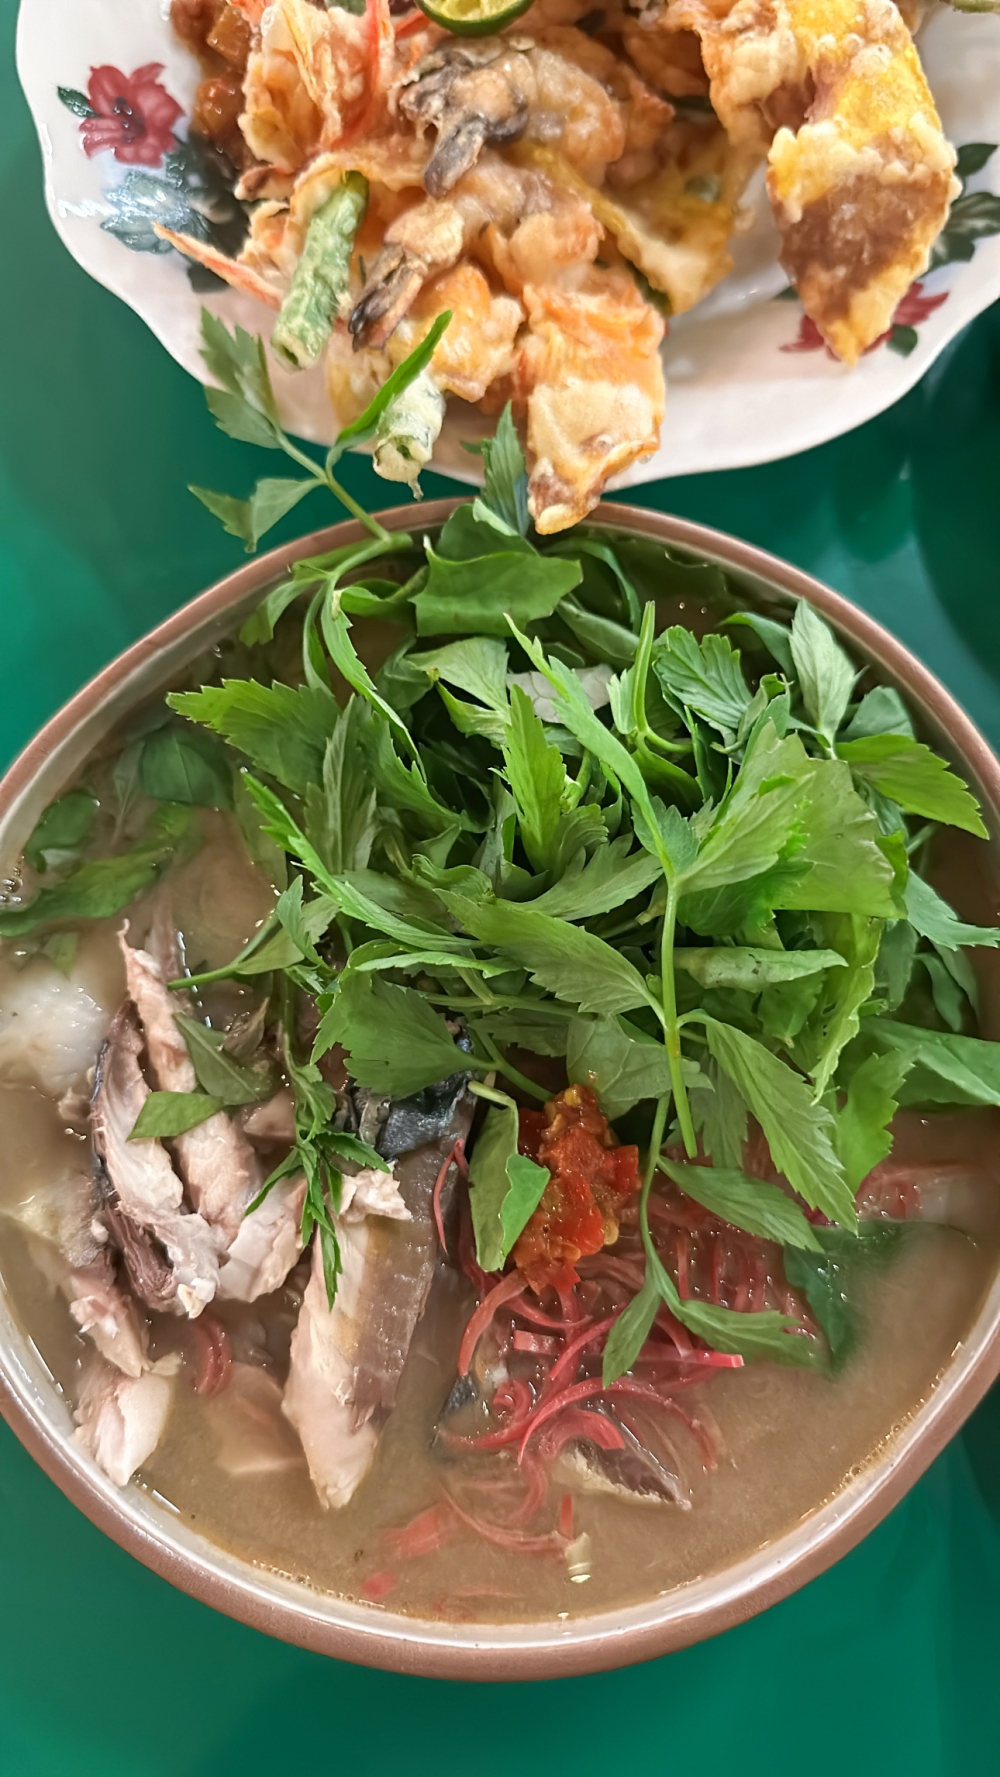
70 1247
121 1419
50 1028
102 1310
219 1166
319 1394
346 1362
147 1190
268 1244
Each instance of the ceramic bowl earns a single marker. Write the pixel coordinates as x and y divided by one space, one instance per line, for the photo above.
373 1635
748 378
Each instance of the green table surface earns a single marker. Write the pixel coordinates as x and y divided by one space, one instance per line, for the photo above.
885 1664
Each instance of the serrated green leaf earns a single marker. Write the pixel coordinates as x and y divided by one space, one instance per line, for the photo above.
608 878
881 711
280 730
749 1203
395 1043
337 636
797 1129
915 778
843 866
400 786
946 1069
704 676
622 1070
234 416
575 712
250 519
825 672
835 1020
537 778
864 1137
758 820
340 813
720 1116
463 597
776 638
238 361
739 965
765 1336
934 919
629 1333
564 959
505 481
477 666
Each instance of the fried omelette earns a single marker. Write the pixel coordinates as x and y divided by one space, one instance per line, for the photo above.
562 187
859 173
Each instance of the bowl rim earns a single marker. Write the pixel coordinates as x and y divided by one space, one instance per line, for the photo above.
697 1609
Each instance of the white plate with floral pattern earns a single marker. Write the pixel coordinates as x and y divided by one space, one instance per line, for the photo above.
749 380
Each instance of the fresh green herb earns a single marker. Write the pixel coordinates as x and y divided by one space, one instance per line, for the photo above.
506 1187
915 778
396 1044
184 765
280 730
797 1128
824 671
219 1075
748 1203
830 1280
101 888
63 831
167 1114
245 408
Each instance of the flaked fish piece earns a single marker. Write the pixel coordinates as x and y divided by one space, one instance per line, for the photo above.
268 1244
319 1393
218 1164
346 1362
50 1027
121 1419
272 1121
252 1436
69 1244
146 1189
103 1311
